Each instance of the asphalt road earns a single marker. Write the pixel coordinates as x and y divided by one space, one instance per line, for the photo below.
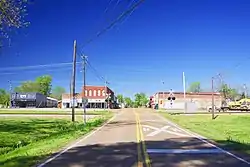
138 137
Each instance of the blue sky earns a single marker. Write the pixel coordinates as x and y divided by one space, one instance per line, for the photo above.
159 41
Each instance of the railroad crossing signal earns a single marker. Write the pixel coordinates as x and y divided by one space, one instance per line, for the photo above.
171 97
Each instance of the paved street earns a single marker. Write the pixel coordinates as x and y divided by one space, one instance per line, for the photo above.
138 137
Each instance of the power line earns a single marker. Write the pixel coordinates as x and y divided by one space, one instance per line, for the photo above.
35 71
95 71
119 18
35 66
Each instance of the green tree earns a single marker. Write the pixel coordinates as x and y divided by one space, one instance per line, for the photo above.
195 87
4 98
140 100
12 16
120 98
128 102
228 93
44 83
57 92
28 86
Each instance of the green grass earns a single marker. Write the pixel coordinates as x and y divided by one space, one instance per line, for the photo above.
77 112
229 131
25 141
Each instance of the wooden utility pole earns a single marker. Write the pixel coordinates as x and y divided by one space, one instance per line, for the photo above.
84 100
73 85
213 98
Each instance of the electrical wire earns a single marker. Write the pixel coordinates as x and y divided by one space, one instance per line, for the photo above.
114 22
95 71
36 66
37 70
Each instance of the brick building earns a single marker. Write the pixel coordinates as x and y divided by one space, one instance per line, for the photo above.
96 95
198 100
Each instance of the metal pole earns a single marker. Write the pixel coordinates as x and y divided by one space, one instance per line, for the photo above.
245 91
105 94
164 97
73 81
10 93
212 97
184 91
84 88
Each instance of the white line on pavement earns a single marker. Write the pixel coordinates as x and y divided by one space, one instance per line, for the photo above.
158 131
185 151
201 138
163 129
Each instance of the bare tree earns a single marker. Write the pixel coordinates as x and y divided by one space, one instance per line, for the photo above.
12 16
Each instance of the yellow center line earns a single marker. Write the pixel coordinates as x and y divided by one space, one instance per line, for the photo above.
139 154
144 149
141 146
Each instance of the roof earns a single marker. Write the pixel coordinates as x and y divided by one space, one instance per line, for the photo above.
191 93
80 96
67 95
50 98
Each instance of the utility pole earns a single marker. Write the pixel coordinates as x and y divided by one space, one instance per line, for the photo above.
164 97
73 84
245 90
184 91
105 97
84 100
10 84
213 98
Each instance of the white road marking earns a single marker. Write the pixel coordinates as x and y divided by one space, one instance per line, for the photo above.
79 141
201 138
185 151
159 130
163 129
175 130
146 129
176 133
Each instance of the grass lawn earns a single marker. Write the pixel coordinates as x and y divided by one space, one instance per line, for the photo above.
25 141
230 131
77 112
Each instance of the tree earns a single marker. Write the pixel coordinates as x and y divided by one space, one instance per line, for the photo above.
128 102
195 87
41 85
120 98
57 92
27 86
140 100
44 83
12 16
4 98
228 93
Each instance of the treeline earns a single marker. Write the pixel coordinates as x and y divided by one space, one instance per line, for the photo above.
140 100
226 91
41 84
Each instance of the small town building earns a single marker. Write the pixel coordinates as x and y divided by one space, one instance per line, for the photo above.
97 97
200 100
32 100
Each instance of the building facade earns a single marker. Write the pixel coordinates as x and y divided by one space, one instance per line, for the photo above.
97 98
200 100
32 100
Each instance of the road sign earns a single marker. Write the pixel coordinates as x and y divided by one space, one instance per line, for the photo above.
84 101
171 92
